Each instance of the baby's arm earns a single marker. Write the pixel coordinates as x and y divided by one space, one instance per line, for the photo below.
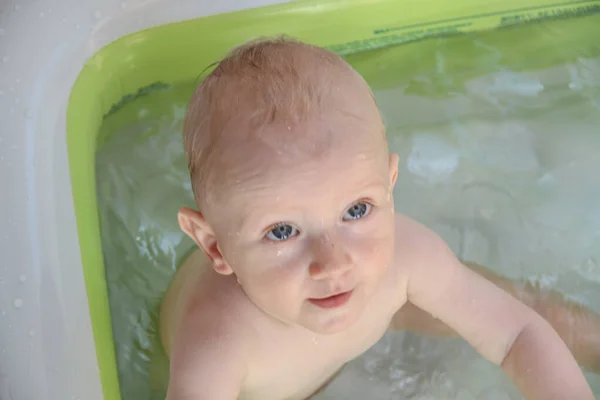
205 368
577 326
500 327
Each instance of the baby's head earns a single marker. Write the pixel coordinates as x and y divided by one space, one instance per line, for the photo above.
290 169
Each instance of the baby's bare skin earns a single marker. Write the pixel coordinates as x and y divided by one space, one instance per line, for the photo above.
281 362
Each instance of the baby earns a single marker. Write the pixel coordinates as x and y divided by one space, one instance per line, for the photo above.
304 264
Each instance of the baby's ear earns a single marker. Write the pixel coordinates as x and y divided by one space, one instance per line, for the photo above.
192 222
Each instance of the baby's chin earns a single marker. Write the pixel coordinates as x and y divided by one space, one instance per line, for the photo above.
331 327
330 323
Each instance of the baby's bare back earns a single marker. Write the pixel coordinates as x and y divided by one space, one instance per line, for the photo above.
280 361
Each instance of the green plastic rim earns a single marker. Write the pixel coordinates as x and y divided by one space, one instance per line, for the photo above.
177 53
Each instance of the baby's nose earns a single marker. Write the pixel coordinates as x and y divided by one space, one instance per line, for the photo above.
330 261
320 271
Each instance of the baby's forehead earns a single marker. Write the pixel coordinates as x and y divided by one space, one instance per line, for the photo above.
314 140
279 158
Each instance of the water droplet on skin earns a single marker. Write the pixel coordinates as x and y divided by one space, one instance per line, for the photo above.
315 341
279 252
18 303
23 278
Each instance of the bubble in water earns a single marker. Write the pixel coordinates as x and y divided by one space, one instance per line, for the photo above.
589 266
77 26
97 14
28 113
124 4
5 59
488 213
31 333
42 14
1 31
18 303
17 7
1 92
3 313
22 278
144 112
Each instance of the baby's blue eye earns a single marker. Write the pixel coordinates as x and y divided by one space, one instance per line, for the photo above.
281 232
357 211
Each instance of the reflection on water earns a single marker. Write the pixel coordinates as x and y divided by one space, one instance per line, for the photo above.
497 157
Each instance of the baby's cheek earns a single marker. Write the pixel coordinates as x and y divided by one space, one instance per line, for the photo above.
377 253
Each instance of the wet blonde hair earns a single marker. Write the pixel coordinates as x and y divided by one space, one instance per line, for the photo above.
267 81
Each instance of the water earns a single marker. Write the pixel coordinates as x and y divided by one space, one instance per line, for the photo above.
499 150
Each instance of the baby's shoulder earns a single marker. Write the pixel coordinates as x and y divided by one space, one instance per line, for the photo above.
418 249
202 307
415 242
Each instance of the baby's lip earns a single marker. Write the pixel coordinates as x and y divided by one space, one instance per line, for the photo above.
335 293
334 301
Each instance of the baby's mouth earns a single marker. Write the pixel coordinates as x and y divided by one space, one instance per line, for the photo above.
334 301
